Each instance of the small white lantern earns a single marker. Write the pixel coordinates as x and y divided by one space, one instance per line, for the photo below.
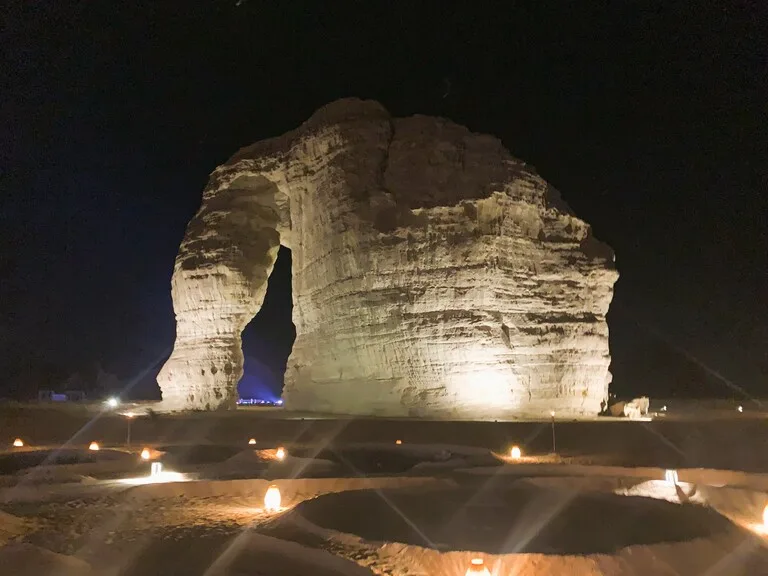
515 453
280 453
93 446
146 454
272 499
398 442
252 441
671 477
18 443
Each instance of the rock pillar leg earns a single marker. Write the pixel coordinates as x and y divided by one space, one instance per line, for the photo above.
219 281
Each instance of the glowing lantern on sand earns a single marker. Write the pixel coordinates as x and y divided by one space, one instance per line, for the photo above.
515 453
252 441
477 568
398 442
93 446
671 477
146 454
272 499
18 443
280 453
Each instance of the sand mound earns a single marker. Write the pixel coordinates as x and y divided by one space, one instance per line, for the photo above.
519 519
12 527
27 560
293 491
526 529
262 464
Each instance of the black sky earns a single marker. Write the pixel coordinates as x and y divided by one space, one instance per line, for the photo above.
650 118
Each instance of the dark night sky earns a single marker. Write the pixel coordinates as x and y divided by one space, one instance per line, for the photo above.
651 120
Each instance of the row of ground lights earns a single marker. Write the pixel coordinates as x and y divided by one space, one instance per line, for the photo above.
272 498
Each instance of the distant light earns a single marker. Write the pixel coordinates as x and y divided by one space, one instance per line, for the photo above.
671 477
156 469
398 442
252 441
515 453
477 566
280 453
272 499
664 408
146 454
93 446
18 443
112 402
129 415
740 408
552 413
279 402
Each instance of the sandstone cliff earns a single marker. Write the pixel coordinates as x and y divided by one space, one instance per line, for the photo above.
433 275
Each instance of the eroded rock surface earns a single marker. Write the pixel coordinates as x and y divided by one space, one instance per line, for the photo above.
433 275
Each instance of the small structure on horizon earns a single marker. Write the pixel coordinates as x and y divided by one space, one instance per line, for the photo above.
66 396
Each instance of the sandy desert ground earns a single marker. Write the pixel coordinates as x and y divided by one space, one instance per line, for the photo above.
355 502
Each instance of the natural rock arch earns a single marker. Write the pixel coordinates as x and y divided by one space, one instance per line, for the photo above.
433 275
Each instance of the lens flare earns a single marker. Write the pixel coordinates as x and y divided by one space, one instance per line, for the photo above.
272 499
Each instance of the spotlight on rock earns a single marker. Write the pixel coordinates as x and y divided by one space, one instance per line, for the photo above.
477 568
146 454
671 477
280 453
18 443
94 446
272 499
515 453
252 441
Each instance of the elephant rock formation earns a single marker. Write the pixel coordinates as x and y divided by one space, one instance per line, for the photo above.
434 275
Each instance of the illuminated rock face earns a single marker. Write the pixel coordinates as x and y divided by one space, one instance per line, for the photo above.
433 275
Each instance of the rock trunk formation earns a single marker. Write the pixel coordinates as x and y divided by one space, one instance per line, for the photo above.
434 275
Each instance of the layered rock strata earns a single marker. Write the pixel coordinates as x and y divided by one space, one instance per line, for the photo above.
434 275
